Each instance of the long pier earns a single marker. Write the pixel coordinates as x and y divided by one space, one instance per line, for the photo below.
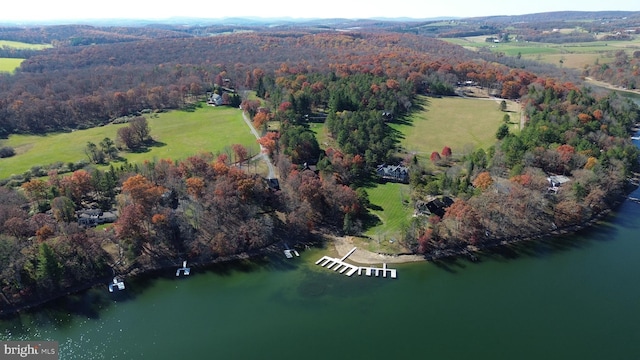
339 265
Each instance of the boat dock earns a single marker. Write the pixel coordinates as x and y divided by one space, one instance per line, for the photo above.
290 253
342 267
116 284
184 269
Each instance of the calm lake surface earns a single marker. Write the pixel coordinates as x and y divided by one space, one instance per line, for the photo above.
564 298
576 297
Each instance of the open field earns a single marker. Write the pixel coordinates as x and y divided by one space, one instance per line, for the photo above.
391 204
573 55
9 64
22 45
460 123
179 134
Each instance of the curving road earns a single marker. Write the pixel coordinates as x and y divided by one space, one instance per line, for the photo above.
263 152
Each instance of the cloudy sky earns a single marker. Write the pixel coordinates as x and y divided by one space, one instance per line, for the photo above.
46 10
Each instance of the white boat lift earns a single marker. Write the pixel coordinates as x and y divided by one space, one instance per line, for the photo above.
116 284
184 269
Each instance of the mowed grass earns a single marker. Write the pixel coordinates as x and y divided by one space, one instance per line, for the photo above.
455 122
178 134
9 65
390 202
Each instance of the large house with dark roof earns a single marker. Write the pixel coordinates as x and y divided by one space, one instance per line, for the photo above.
396 173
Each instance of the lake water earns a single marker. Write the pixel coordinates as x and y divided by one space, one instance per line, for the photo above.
565 298
576 297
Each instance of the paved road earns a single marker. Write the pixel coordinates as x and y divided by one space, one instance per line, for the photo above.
263 152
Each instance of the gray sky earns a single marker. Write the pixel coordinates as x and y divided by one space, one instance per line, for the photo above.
43 10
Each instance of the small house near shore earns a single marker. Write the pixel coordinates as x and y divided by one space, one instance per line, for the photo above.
95 217
555 181
436 206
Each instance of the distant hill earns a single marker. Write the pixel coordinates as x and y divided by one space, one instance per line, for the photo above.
560 16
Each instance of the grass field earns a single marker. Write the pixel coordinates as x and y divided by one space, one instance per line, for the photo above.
459 123
22 45
390 203
179 134
9 64
573 55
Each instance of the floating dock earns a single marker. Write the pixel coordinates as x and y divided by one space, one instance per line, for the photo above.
339 265
290 253
184 269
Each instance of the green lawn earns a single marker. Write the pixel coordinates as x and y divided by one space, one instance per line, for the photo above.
179 134
9 64
22 45
459 123
390 202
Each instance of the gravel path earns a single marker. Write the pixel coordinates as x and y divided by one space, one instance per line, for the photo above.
263 154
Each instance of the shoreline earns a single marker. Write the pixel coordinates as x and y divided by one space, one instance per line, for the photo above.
341 244
344 244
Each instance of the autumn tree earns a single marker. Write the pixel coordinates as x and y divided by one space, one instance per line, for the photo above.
142 192
446 152
269 142
261 119
240 152
140 127
195 186
36 190
126 138
483 180
136 135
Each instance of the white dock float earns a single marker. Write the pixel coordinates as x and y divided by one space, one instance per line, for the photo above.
353 270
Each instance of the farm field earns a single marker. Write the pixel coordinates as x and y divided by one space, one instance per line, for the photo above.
179 134
463 124
572 55
8 65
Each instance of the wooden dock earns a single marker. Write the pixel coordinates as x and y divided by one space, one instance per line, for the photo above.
342 267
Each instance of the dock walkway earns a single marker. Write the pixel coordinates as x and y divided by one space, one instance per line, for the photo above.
339 265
